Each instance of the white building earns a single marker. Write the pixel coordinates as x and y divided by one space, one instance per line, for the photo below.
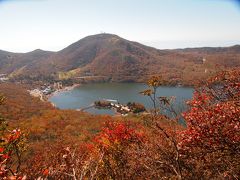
3 77
36 93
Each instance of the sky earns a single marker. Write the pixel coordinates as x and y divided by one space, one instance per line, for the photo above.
26 25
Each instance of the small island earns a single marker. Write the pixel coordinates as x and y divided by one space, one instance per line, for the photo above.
130 107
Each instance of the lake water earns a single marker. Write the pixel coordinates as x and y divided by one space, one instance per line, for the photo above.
85 95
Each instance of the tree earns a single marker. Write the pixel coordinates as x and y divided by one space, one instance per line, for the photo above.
207 148
153 83
109 156
164 130
211 142
116 143
11 148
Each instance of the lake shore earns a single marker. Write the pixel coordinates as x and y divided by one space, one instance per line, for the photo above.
64 89
69 88
124 93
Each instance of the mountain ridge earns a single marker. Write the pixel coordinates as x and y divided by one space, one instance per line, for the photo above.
118 59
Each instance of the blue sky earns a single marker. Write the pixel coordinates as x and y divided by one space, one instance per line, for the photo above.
26 25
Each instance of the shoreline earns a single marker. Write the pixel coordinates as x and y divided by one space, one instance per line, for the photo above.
67 88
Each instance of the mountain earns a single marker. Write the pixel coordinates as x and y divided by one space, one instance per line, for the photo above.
15 63
112 58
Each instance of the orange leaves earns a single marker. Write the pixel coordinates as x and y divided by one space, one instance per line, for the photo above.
9 147
225 86
90 147
45 172
15 135
147 92
213 124
2 98
155 81
117 134
199 99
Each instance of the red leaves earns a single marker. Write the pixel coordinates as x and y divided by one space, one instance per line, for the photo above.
90 147
10 145
117 134
218 121
15 134
5 156
199 99
45 172
213 128
3 161
213 122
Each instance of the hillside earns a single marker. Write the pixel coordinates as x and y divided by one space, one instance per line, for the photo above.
108 57
42 122
15 63
43 141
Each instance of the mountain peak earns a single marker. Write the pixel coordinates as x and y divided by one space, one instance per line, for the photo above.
37 50
103 35
101 40
112 57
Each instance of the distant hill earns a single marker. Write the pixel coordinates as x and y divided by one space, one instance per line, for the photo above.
113 58
15 63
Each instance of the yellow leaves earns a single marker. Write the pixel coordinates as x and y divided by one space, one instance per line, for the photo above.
147 92
155 81
2 98
105 142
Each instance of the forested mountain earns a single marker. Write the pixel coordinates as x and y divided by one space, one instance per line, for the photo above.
116 59
15 63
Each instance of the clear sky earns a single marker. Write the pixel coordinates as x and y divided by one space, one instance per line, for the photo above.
26 25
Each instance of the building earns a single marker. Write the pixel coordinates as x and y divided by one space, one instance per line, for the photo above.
57 85
36 93
3 78
47 90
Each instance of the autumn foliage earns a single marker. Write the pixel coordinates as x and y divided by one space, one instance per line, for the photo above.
211 142
151 146
11 148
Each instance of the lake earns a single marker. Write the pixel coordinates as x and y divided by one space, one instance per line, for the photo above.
85 95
